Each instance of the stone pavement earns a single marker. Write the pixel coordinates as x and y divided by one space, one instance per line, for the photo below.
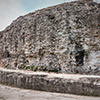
11 93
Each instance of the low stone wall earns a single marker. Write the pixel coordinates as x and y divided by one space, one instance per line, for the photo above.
63 83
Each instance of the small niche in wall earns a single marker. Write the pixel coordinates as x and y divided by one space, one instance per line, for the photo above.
79 55
6 54
51 17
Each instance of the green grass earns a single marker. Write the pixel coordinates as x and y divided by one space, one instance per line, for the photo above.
2 98
35 68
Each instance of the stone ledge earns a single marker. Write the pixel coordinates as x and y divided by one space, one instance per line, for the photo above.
63 83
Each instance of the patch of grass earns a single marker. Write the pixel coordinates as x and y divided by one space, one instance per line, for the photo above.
35 68
25 67
2 98
38 68
31 67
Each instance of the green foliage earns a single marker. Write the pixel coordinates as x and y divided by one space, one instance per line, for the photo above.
8 66
26 68
54 70
35 68
44 69
32 67
2 98
47 70
23 66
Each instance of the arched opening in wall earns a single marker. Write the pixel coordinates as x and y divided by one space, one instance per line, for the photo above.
79 56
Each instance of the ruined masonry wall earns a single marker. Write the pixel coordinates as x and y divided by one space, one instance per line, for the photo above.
63 38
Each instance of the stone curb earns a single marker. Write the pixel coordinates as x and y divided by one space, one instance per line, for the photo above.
62 83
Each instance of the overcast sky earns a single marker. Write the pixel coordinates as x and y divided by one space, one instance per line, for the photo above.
11 9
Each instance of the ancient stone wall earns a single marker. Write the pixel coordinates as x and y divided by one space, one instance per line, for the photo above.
62 38
86 0
63 83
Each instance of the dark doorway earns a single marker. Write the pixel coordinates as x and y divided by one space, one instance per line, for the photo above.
79 56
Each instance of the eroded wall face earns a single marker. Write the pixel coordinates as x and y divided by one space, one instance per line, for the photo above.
64 38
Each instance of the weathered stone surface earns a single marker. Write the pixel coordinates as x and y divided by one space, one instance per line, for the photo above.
63 38
86 0
63 83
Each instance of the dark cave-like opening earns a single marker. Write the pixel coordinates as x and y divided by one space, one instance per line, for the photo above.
51 17
79 56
